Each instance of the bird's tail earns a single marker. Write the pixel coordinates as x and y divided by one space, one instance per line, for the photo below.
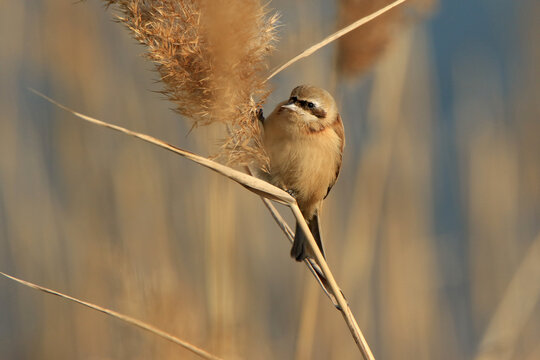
299 249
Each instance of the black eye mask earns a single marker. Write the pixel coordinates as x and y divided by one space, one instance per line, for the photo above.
308 106
318 112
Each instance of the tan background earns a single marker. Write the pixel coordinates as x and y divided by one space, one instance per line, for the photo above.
432 230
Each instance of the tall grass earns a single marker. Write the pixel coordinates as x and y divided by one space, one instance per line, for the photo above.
117 222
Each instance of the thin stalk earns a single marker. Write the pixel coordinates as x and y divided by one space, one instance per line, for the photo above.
343 305
335 36
310 263
128 319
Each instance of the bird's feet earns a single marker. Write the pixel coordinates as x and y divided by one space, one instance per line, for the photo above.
259 114
291 192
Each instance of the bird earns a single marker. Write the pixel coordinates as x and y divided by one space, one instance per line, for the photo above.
304 139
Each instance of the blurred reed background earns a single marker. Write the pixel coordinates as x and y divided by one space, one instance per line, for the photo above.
433 230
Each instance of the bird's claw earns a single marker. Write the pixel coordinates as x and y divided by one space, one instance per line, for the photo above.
291 192
259 114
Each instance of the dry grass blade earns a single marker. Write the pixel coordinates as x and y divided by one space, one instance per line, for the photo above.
251 183
202 353
335 36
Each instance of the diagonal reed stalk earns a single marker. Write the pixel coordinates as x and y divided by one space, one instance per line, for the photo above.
267 191
253 184
310 263
128 319
335 36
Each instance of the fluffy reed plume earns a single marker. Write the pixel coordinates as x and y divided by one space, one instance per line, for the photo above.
211 56
358 50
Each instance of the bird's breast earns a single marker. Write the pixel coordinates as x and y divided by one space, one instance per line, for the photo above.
303 162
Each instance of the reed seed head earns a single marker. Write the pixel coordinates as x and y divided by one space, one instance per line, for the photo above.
211 57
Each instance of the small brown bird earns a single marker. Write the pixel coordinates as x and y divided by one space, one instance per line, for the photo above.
304 139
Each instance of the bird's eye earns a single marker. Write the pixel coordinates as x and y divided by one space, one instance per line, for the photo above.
310 105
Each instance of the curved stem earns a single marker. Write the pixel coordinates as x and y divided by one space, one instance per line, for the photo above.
128 319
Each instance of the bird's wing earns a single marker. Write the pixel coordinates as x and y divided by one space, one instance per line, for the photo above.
337 126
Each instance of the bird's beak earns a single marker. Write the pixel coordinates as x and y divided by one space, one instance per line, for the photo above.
291 107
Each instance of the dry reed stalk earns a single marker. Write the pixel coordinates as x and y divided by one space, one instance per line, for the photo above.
261 188
336 36
310 263
140 324
211 56
359 50
251 183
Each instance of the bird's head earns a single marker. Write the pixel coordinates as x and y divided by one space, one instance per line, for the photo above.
311 106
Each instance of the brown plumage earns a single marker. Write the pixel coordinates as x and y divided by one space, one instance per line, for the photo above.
304 139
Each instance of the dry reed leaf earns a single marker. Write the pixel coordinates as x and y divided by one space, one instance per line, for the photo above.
359 50
202 353
253 184
211 56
